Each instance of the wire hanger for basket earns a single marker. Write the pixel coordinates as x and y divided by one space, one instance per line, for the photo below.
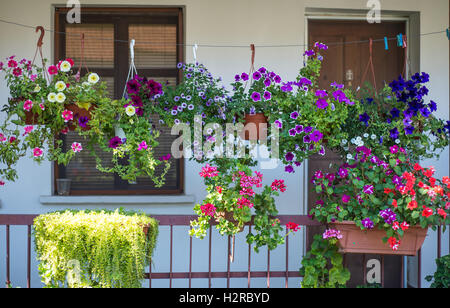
39 49
132 70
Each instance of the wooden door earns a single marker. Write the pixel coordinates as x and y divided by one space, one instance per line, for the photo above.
348 51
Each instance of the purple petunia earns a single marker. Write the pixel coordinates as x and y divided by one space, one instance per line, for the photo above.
368 189
316 136
289 156
388 215
267 82
298 128
367 223
292 132
321 103
394 133
289 169
307 139
294 115
83 121
256 76
256 96
279 123
244 76
115 142
267 95
343 173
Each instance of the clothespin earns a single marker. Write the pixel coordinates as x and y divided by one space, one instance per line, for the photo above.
448 33
386 45
400 40
194 51
405 44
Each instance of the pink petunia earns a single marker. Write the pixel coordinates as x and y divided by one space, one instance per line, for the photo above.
2 138
28 129
2 183
67 115
42 106
37 152
143 146
12 63
76 147
17 72
28 105
33 77
53 70
65 130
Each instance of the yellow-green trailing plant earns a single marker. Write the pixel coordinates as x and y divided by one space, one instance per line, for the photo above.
94 249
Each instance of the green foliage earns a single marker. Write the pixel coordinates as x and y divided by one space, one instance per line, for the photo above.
322 267
441 278
98 249
231 200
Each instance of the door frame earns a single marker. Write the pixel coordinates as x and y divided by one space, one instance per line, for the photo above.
412 21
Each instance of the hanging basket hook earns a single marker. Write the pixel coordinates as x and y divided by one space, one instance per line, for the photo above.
41 38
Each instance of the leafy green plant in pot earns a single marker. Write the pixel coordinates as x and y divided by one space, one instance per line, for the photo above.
309 119
386 192
44 99
125 127
232 195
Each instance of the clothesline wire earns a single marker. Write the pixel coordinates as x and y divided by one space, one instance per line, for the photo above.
223 46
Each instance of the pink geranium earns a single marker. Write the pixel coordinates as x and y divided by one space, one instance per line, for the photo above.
37 152
208 209
67 115
76 147
28 105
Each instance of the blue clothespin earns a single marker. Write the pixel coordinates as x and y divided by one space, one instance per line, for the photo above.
386 46
400 40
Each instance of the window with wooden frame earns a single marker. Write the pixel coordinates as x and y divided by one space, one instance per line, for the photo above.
158 33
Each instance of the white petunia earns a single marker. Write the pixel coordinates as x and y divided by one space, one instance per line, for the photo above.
373 137
51 97
397 141
349 156
366 135
65 66
37 88
60 86
344 141
60 97
93 78
130 111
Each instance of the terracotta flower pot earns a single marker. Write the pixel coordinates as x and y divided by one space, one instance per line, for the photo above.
78 113
355 240
257 119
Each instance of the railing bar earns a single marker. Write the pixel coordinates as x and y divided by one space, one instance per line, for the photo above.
382 271
402 279
439 242
268 267
210 260
364 269
171 255
419 274
228 261
150 275
287 259
249 258
190 261
8 281
29 258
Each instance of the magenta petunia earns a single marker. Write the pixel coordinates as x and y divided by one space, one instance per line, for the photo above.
256 96
321 103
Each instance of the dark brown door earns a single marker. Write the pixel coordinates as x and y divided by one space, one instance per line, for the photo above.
345 62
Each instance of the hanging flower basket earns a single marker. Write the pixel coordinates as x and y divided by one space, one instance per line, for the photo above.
355 240
260 122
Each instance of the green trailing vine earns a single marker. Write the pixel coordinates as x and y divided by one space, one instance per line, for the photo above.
322 267
94 249
441 278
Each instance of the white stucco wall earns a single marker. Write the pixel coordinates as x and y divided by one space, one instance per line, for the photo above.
231 22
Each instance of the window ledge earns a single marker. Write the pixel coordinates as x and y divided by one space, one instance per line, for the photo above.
117 200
